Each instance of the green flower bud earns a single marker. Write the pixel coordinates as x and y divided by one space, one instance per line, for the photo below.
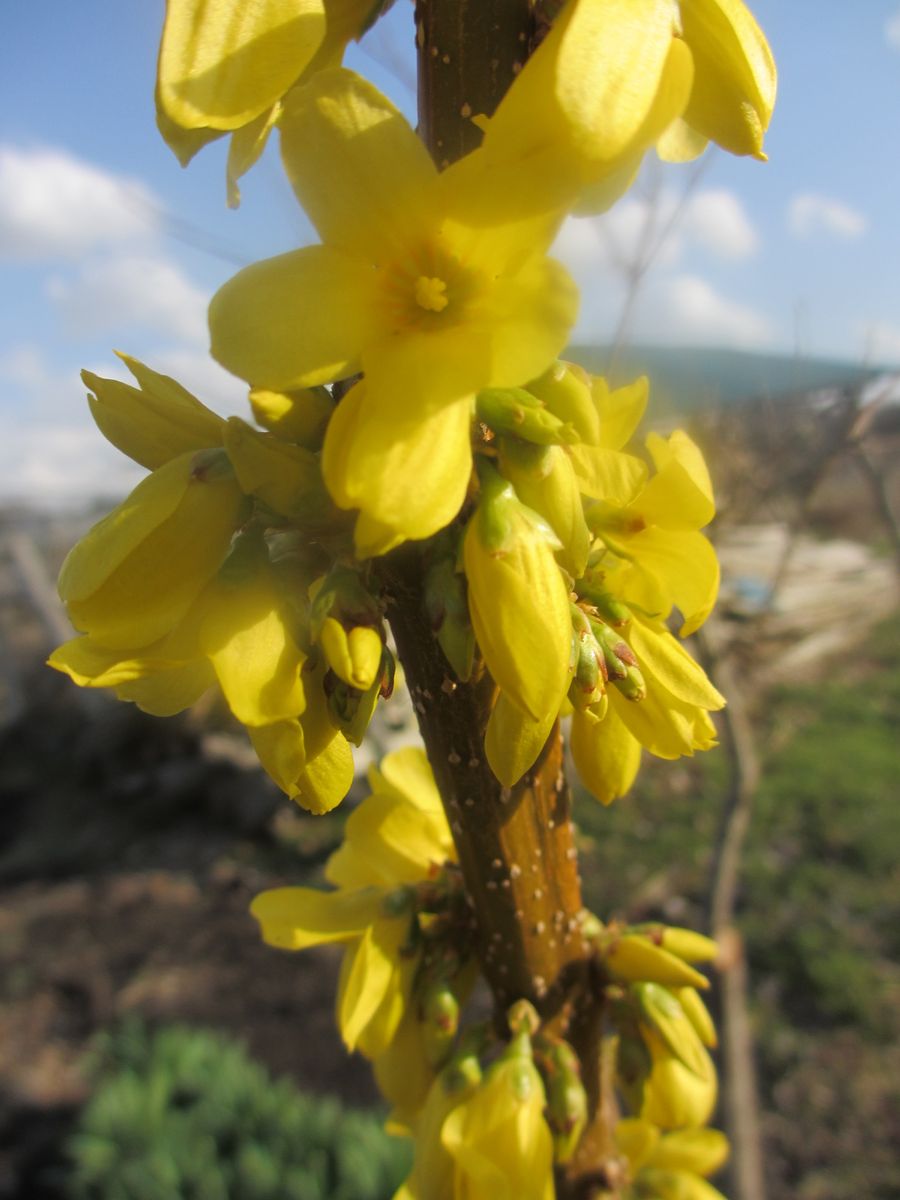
515 411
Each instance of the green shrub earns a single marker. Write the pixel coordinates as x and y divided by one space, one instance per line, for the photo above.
183 1114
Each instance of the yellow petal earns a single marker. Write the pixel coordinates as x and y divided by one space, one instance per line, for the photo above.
619 411
680 495
408 773
407 470
358 168
245 149
686 566
164 693
519 607
669 663
299 416
327 776
402 1072
154 423
285 477
247 638
221 64
389 842
606 755
136 573
681 143
701 1151
735 79
294 918
608 474
513 741
369 999
294 321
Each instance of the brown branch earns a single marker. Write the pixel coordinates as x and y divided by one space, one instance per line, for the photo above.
516 846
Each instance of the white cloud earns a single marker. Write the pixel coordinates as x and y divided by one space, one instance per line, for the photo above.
810 213
892 30
145 291
55 465
687 310
54 205
715 219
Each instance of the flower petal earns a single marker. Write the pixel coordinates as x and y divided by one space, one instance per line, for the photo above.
221 65
294 918
295 320
606 754
407 470
357 166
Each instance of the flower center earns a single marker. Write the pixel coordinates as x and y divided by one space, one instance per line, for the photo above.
431 293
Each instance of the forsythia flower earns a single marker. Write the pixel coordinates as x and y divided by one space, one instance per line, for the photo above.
484 1139
226 66
671 1166
517 599
612 78
395 840
177 589
430 308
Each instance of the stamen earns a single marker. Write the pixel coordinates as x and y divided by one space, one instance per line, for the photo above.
431 293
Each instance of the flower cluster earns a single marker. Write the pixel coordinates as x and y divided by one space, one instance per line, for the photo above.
406 385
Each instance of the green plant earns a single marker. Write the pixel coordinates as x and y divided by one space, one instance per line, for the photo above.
184 1114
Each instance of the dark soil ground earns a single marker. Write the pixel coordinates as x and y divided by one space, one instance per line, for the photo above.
127 865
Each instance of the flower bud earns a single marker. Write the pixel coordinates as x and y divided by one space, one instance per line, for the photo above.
354 655
635 959
518 412
567 1104
440 1019
544 479
565 389
661 1009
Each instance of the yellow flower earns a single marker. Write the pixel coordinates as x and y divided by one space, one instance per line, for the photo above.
238 632
657 558
733 92
225 67
501 1146
134 576
154 422
398 836
517 599
430 308
612 78
672 1165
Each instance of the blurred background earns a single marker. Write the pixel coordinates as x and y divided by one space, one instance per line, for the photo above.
763 300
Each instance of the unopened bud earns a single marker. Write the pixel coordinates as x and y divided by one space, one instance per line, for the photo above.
635 959
567 1103
565 389
517 412
440 1021
353 654
661 1009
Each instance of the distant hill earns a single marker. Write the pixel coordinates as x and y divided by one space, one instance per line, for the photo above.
682 378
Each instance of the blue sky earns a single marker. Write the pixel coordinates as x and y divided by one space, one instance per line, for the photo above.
107 243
